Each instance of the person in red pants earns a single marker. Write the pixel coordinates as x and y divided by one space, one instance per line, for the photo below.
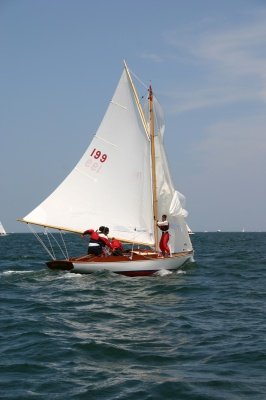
163 225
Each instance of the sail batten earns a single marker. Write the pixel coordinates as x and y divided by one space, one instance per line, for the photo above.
119 105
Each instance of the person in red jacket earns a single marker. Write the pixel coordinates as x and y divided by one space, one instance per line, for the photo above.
164 226
95 247
104 241
117 248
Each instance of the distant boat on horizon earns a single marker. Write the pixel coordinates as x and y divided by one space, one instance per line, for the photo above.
190 232
2 230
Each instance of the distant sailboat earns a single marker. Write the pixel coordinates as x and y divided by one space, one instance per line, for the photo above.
2 230
190 232
123 181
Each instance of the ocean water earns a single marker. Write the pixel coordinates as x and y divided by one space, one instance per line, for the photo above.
196 334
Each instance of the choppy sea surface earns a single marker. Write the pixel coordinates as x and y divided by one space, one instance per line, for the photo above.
197 334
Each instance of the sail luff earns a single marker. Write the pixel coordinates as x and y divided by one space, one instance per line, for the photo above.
153 163
137 101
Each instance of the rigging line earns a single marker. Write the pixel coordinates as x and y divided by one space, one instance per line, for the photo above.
40 241
139 80
132 247
105 141
51 246
64 244
143 84
59 246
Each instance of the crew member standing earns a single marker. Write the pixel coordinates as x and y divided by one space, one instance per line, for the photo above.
164 226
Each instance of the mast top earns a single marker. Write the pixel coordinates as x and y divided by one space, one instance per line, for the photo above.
150 93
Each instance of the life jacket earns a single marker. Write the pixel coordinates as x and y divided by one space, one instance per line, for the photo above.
165 227
94 237
116 244
103 240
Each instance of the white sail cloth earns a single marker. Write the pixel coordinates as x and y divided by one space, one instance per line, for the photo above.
2 229
170 201
111 184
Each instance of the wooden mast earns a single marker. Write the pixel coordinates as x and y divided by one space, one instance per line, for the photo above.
153 165
150 135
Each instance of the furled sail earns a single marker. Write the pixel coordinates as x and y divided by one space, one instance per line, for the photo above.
170 201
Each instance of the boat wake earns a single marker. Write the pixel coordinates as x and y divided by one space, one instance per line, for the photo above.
10 272
163 272
181 272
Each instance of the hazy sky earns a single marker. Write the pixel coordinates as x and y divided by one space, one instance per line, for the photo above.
61 60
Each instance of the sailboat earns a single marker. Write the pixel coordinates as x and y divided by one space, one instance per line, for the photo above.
190 232
122 181
2 230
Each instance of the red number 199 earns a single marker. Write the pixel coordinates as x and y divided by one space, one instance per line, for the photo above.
97 154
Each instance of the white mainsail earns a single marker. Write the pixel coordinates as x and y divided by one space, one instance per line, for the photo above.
111 184
2 229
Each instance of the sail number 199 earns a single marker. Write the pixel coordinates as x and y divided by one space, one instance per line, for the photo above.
97 154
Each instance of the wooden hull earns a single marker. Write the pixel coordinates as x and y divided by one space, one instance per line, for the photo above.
136 264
